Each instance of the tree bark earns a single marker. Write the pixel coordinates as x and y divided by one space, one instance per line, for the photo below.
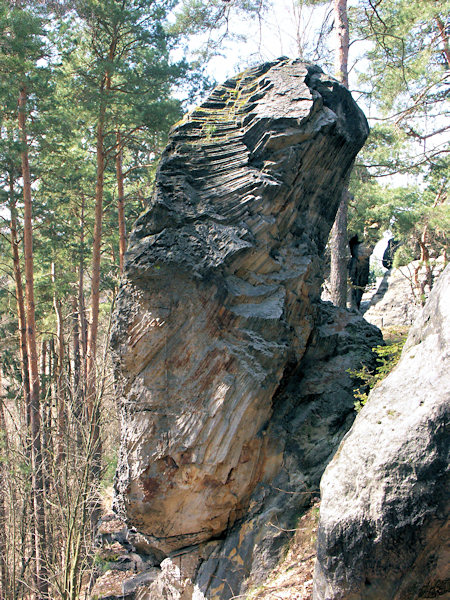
76 356
20 301
444 38
342 30
339 255
338 236
93 409
60 391
120 202
46 424
37 470
3 549
91 396
82 314
77 393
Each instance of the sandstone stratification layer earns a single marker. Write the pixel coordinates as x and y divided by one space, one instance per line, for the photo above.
384 527
220 297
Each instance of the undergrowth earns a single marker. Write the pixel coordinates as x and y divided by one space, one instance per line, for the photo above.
387 357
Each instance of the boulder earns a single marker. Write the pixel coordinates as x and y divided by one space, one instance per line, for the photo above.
383 530
230 372
312 411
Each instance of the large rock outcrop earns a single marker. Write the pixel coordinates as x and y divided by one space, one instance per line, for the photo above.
232 375
384 531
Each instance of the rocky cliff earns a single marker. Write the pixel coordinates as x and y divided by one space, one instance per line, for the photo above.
383 531
231 373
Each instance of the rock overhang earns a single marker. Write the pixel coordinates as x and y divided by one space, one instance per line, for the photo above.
222 275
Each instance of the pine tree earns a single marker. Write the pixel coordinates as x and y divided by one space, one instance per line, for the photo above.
338 237
22 48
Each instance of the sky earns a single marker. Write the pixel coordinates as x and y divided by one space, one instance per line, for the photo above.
285 30
275 34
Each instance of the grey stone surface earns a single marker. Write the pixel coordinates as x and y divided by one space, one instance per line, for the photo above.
231 373
313 409
145 578
383 530
397 301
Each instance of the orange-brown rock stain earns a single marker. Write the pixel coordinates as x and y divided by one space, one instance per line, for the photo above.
150 487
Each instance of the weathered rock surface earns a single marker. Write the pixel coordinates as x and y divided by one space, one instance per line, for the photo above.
397 301
232 374
313 408
383 531
312 412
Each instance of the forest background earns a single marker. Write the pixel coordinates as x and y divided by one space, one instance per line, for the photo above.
88 92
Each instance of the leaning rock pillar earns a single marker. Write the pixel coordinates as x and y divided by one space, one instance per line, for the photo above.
222 282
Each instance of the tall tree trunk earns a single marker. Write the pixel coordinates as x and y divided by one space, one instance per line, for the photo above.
76 355
91 396
37 471
82 311
77 396
120 202
3 563
46 424
343 40
60 391
338 237
20 301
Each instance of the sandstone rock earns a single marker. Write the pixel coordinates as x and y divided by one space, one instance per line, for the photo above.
222 274
397 302
313 409
110 586
122 585
232 374
383 531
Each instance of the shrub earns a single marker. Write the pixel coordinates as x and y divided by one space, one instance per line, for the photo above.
387 357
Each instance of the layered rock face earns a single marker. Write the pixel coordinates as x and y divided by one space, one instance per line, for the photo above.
383 529
214 328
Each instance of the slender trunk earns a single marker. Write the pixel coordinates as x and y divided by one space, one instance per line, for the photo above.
91 392
20 302
341 26
77 396
46 430
82 312
120 202
76 352
3 548
37 477
338 236
339 255
60 391
425 261
52 399
92 404
95 285
416 286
